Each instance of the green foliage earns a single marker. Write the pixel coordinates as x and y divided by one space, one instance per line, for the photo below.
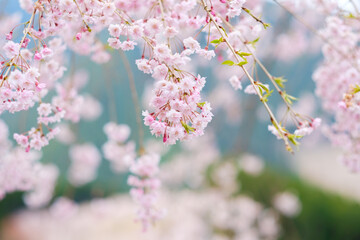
280 81
201 104
253 42
324 216
266 25
288 98
242 54
228 62
217 42
292 138
356 89
351 16
187 127
242 63
264 91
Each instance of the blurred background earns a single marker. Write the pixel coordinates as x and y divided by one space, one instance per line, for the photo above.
236 182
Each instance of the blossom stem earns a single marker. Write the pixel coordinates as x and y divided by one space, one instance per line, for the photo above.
21 43
163 18
272 117
267 73
82 16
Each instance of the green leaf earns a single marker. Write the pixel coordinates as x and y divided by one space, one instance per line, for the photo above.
266 25
217 41
201 104
187 128
280 81
261 91
264 89
292 139
254 41
228 62
266 96
351 16
262 86
356 89
242 63
241 54
288 98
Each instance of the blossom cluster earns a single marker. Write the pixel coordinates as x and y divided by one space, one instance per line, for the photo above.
172 36
178 112
85 159
22 171
120 154
145 185
337 82
194 217
192 213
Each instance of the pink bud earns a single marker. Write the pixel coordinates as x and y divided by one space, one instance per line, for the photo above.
78 36
37 56
9 36
164 138
25 43
316 122
46 51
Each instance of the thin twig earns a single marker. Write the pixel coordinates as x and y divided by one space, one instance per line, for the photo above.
26 32
136 102
272 117
111 97
163 18
267 73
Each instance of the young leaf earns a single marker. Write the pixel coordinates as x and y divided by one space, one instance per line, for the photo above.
241 54
288 98
266 25
201 104
263 87
356 89
187 128
217 41
267 95
292 139
228 62
280 81
242 63
254 42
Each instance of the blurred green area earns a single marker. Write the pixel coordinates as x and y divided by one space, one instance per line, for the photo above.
323 216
